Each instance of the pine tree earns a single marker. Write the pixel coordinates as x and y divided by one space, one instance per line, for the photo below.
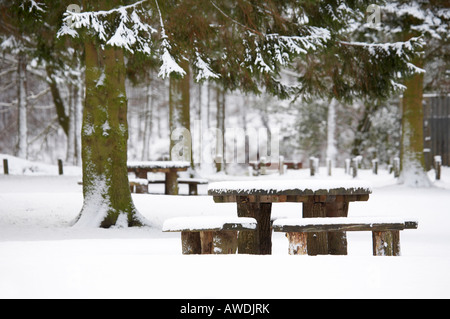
238 43
405 20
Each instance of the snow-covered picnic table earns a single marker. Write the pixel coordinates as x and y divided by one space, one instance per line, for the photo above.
170 168
320 198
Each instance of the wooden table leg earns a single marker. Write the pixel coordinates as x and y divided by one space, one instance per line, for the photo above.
141 173
171 183
191 243
337 241
317 242
257 242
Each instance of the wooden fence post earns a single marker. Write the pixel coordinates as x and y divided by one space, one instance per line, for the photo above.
396 167
60 167
263 168
329 165
437 166
347 166
281 165
312 166
375 166
5 166
354 167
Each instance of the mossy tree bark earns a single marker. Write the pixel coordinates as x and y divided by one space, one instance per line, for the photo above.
412 157
107 196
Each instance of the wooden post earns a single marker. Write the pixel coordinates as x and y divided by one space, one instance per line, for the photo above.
354 167
193 189
298 243
375 166
5 166
312 166
225 242
281 165
347 166
396 167
390 169
206 241
171 183
141 188
191 243
257 242
337 241
60 167
218 242
317 242
386 243
437 166
329 165
263 166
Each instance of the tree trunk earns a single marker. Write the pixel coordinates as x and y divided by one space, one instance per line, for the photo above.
70 152
63 119
220 125
107 196
22 143
148 120
179 108
331 131
412 158
363 128
78 120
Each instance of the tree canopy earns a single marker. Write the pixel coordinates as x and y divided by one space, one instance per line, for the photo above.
245 44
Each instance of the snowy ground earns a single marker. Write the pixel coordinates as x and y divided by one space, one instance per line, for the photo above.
41 256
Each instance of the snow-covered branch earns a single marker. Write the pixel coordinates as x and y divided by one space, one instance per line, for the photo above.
169 65
403 50
32 5
204 70
131 33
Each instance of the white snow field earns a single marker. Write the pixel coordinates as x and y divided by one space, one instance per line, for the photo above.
42 256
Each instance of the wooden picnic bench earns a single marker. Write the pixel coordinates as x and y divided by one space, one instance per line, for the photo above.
170 168
329 198
385 232
209 235
191 182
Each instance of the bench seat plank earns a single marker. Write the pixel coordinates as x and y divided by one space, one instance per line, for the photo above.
305 225
208 223
198 181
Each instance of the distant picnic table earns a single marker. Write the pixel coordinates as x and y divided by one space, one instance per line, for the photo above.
329 198
170 168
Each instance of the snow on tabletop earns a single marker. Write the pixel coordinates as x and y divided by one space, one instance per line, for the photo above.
159 164
341 220
206 222
281 186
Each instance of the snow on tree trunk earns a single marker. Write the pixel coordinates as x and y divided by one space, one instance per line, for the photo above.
412 158
22 143
107 197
